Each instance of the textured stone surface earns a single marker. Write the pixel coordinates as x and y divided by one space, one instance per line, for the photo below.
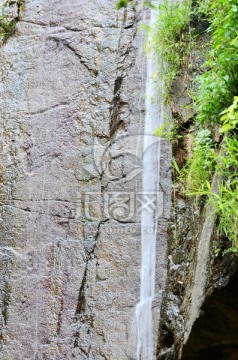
216 328
72 75
199 305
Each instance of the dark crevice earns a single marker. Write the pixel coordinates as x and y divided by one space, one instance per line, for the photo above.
104 356
42 111
168 337
117 86
115 122
5 295
93 72
81 304
123 67
215 333
19 5
83 313
186 126
5 304
83 62
60 316
129 26
84 316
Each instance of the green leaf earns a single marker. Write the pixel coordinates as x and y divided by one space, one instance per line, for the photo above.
226 128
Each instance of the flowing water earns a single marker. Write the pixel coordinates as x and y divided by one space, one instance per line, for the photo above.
151 176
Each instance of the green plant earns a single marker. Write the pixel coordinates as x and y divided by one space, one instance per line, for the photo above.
121 3
169 38
227 158
229 117
169 131
215 90
124 3
215 100
218 85
226 207
7 24
199 169
198 182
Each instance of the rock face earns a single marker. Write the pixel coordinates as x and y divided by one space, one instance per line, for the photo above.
72 86
199 312
199 307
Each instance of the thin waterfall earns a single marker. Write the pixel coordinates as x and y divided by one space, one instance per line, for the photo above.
151 177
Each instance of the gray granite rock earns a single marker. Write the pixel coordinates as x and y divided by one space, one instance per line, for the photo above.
72 73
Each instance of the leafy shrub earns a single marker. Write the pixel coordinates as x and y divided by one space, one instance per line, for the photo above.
225 202
217 88
199 169
216 99
169 38
226 206
218 85
229 117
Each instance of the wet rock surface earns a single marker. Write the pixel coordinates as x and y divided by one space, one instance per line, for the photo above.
72 84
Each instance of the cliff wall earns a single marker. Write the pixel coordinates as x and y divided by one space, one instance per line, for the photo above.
72 112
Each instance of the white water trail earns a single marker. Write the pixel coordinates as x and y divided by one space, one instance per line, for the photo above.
151 177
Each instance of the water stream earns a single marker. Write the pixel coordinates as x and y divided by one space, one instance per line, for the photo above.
151 177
